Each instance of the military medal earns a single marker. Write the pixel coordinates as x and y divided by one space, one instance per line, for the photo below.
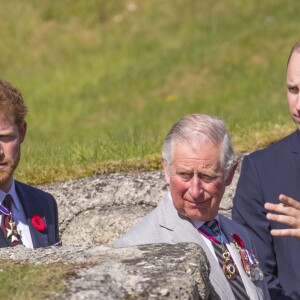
249 261
230 269
12 232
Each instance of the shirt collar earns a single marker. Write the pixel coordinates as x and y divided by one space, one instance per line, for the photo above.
198 223
13 193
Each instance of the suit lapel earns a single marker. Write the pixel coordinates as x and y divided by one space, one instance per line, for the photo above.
179 227
228 229
295 147
32 207
3 240
183 231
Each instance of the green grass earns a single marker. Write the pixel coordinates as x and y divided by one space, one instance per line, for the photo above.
105 80
26 281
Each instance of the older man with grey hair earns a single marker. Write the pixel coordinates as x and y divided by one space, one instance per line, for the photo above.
198 162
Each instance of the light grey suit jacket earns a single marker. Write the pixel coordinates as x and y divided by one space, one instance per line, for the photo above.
165 225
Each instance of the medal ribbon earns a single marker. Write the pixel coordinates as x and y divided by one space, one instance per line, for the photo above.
4 211
210 234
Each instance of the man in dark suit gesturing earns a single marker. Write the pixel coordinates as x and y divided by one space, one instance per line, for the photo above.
199 163
28 215
269 178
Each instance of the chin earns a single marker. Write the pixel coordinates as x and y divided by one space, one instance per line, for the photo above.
198 216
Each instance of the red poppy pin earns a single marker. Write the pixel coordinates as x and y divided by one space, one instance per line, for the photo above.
38 223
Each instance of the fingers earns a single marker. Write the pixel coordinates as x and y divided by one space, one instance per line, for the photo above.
287 212
280 209
288 201
290 207
288 220
286 232
274 207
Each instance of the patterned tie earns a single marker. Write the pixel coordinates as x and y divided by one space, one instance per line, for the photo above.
236 283
8 224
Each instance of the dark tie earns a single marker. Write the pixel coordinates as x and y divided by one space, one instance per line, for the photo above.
236 282
8 224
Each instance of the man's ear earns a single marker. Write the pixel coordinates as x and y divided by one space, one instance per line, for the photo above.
231 173
166 171
22 131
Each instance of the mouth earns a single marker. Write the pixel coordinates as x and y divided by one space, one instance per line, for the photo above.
296 118
198 203
3 165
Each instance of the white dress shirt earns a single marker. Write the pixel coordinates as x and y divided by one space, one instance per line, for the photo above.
19 216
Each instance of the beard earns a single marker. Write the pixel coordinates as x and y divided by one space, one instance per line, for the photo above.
6 173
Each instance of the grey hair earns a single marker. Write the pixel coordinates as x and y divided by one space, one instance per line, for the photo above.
196 128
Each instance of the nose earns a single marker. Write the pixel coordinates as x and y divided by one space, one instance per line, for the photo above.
1 150
196 188
298 103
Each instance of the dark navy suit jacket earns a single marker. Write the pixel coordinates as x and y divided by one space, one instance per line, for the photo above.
266 174
37 202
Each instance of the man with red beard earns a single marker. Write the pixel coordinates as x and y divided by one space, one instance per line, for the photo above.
28 215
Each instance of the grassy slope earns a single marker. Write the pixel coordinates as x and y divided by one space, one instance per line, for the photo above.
26 281
105 80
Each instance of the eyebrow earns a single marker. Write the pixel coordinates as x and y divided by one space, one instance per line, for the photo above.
202 172
292 86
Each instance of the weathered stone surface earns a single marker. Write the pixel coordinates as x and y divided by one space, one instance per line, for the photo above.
151 271
101 208
157 271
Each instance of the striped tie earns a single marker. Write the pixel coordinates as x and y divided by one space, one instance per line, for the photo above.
236 284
